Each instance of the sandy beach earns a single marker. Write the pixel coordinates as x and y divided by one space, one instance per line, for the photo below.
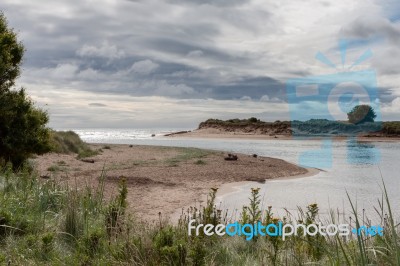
162 179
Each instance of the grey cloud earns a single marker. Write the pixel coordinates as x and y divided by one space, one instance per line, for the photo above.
105 50
195 53
366 27
222 3
97 105
252 87
382 32
144 67
182 48
193 49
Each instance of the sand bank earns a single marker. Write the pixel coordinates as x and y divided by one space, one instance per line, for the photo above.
162 179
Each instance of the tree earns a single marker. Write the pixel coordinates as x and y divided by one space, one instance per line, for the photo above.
11 53
361 114
23 130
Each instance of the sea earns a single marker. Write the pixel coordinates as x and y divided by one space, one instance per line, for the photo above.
358 172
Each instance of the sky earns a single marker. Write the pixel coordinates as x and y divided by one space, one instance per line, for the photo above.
175 63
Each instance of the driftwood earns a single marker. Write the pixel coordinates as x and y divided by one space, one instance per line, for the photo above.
260 180
177 133
87 160
231 157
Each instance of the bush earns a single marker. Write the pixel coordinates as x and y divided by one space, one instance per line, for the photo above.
253 120
23 130
391 128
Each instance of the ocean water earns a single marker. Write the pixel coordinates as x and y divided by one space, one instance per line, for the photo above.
121 136
356 169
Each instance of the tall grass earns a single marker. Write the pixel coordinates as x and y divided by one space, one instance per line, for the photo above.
46 222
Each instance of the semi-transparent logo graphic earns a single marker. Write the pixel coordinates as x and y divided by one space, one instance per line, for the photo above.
319 108
249 231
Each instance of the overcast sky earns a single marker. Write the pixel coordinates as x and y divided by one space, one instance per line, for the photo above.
174 63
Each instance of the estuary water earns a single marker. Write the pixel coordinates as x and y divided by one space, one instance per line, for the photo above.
355 168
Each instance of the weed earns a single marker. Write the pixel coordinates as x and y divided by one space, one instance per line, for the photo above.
186 154
200 162
53 168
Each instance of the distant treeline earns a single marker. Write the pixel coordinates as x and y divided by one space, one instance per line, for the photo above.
310 127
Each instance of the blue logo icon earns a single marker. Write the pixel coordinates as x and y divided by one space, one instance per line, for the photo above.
326 98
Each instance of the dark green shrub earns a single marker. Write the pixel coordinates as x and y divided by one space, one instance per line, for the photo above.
47 243
198 252
23 130
92 242
170 249
391 128
253 120
361 114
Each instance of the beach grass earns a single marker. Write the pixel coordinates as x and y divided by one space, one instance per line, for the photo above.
69 142
47 222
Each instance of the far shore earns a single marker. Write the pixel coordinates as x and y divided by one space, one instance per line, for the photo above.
212 133
162 179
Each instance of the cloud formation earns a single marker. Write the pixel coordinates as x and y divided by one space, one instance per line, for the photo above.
208 51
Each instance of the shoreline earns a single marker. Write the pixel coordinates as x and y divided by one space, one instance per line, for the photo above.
226 189
162 179
229 188
212 133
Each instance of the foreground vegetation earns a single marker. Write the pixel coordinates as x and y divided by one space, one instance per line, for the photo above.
47 222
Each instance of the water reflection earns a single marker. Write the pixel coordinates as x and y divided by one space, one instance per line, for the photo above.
362 152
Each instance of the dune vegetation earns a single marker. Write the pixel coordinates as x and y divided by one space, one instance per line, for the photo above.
317 127
69 142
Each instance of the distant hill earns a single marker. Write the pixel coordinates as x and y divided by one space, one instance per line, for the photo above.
317 127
